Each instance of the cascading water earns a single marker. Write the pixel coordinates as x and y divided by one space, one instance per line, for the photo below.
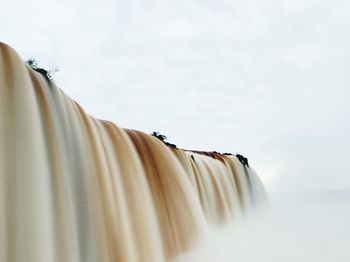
75 188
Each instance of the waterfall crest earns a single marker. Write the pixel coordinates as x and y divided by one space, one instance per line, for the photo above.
75 188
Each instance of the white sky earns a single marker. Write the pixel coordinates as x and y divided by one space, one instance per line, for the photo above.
268 79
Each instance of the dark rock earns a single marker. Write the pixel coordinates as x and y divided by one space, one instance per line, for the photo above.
243 160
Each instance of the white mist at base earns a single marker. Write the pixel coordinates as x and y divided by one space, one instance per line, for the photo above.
300 229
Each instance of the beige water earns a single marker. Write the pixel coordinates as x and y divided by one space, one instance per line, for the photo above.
75 188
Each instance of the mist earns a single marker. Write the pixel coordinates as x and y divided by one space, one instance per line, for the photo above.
293 228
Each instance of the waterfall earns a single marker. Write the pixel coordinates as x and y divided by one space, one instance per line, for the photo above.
76 188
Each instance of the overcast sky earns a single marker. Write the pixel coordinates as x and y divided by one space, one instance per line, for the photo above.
268 79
